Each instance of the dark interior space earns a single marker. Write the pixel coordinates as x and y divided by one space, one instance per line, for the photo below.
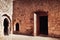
43 20
6 26
17 27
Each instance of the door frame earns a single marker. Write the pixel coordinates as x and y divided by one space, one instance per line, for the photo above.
38 14
9 20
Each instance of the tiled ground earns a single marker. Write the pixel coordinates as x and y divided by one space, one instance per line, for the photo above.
22 37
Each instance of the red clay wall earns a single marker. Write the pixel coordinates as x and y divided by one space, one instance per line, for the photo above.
23 12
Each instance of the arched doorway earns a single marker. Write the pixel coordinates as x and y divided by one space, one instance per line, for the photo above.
6 24
17 27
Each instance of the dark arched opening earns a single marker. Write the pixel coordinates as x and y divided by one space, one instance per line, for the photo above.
17 27
6 24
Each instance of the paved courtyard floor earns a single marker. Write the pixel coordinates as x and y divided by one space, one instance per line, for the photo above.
24 37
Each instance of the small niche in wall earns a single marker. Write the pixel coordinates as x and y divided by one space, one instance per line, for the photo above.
17 26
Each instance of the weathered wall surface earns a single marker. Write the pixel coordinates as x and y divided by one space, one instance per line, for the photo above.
23 12
5 8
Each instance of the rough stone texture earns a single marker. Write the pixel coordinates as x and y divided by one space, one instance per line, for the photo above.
5 8
23 12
